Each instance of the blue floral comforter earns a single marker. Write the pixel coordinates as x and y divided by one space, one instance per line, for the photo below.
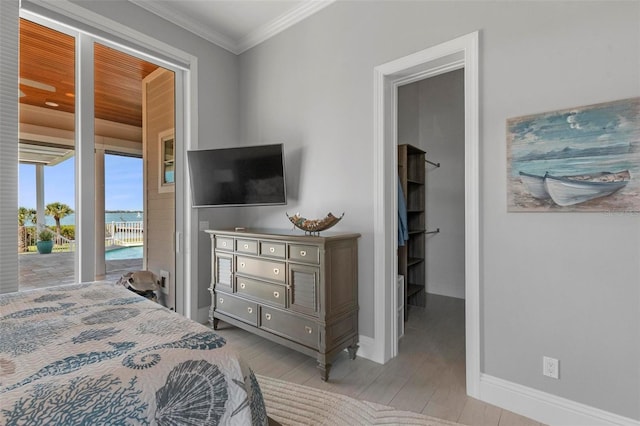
98 354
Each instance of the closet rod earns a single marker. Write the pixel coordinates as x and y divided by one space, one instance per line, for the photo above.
432 163
433 232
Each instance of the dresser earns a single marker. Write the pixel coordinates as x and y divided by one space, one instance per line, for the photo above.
298 290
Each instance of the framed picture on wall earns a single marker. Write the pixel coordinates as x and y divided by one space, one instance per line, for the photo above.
583 159
166 170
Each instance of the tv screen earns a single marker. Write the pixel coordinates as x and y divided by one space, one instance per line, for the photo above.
248 175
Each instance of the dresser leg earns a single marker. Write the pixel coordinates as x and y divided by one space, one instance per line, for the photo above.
324 371
352 350
215 323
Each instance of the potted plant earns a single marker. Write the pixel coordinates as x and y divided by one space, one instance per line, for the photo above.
45 241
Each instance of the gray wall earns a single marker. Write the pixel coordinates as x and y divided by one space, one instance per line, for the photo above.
561 285
431 117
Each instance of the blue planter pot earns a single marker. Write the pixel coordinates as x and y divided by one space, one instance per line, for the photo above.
44 247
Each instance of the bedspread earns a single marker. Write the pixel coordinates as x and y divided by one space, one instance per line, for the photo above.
98 354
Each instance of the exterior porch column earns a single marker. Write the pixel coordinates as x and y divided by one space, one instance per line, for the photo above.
40 218
101 267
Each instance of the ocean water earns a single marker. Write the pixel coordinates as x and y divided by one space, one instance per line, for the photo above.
108 218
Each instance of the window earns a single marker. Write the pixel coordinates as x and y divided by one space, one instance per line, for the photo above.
167 158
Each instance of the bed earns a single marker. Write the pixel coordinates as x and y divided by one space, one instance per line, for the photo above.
98 354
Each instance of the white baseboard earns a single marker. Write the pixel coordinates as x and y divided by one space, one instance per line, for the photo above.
544 407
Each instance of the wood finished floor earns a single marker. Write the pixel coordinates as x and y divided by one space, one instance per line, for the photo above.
428 375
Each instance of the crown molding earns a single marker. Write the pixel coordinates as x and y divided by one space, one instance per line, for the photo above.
289 19
259 35
188 24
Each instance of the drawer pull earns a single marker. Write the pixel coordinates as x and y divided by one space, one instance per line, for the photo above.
221 300
276 271
303 253
308 329
272 250
246 246
276 294
250 310
242 285
242 264
267 317
224 244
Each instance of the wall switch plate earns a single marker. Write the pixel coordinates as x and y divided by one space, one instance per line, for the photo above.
203 225
550 367
164 281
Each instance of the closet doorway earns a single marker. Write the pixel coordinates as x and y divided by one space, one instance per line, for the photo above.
461 53
431 169
431 125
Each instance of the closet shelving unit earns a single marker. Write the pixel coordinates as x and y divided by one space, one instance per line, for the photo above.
411 256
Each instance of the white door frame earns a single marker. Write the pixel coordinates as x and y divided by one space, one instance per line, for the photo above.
185 65
459 53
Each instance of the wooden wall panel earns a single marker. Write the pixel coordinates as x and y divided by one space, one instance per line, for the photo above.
159 112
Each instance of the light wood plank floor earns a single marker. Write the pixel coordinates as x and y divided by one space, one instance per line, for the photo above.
428 375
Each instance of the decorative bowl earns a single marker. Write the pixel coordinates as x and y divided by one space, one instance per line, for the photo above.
314 226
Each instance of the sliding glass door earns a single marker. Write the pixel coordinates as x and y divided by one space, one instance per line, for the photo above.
105 189
46 156
86 208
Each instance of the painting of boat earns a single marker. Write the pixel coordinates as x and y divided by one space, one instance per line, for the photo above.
570 190
580 159
574 189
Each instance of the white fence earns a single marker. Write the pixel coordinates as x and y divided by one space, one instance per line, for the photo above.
124 233
116 234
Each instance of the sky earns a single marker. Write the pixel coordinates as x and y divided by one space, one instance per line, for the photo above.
123 183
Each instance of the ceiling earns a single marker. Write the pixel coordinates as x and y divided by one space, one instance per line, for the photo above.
47 75
235 25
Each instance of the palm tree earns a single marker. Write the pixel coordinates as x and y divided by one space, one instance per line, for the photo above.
58 210
24 215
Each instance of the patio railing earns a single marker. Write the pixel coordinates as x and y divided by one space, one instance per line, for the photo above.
124 233
116 234
59 240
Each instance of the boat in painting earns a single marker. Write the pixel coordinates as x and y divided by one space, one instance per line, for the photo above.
574 189
570 190
535 185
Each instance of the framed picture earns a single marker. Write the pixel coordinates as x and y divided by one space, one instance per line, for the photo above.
166 170
580 159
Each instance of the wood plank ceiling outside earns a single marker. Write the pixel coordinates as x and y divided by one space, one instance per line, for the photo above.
48 57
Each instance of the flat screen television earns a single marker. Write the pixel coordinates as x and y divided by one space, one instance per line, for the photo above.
239 176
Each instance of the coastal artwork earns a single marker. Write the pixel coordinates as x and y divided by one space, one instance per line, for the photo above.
583 159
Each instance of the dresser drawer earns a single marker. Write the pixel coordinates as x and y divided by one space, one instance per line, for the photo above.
298 329
247 246
224 243
274 271
302 253
271 249
236 307
261 291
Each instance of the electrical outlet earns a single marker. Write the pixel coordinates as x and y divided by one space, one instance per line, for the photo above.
164 281
550 367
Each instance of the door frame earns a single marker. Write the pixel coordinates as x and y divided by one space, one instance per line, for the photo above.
113 34
461 52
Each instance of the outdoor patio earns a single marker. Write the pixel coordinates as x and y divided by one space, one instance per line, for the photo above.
46 270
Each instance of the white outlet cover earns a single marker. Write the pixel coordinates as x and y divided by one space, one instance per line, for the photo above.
203 225
550 367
